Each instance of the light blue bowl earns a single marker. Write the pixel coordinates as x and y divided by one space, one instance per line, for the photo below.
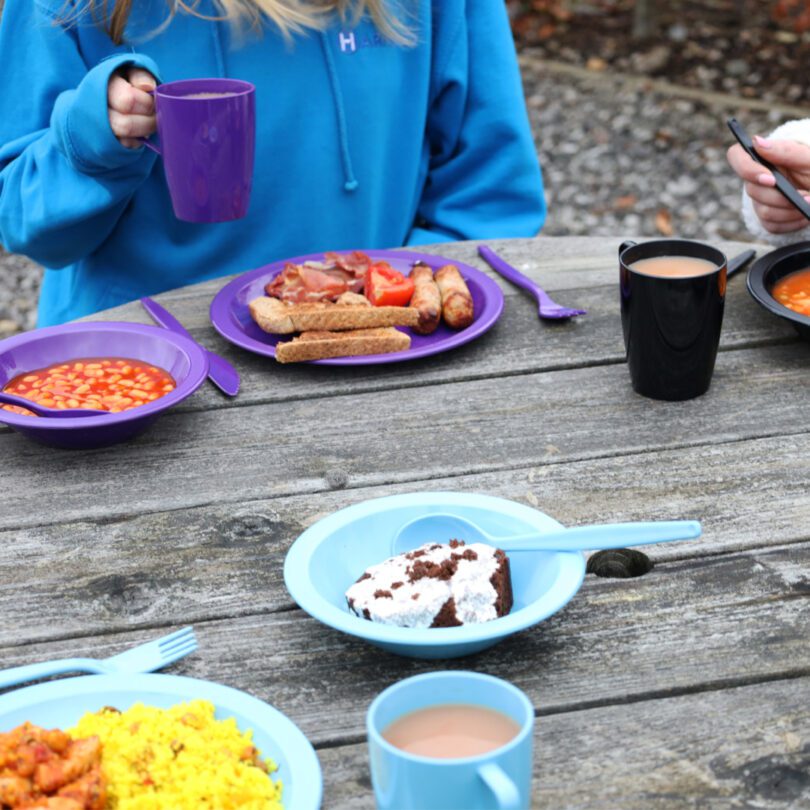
329 556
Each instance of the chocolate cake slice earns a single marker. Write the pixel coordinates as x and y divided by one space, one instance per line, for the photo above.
436 585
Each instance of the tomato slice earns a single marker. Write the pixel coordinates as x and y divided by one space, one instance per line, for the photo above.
386 287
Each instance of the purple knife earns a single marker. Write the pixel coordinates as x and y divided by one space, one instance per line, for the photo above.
220 371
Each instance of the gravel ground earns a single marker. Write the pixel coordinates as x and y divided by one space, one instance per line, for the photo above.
621 156
627 155
19 287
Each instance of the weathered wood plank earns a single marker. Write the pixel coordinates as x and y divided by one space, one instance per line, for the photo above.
689 626
71 578
398 436
520 343
721 750
556 262
686 686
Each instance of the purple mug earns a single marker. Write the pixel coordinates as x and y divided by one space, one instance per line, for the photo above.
207 133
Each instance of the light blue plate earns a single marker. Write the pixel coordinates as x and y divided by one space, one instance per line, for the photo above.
329 556
59 704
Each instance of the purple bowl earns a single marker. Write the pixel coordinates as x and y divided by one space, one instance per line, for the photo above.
184 359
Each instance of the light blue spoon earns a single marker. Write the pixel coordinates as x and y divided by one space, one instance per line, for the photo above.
442 527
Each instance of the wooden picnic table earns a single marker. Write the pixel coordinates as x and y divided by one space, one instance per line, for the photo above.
685 687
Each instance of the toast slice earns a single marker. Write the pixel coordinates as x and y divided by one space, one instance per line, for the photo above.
282 318
350 343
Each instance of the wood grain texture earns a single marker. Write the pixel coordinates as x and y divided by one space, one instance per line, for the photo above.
519 343
686 687
399 436
688 626
226 558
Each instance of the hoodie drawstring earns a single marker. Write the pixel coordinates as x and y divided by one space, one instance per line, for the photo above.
218 50
350 183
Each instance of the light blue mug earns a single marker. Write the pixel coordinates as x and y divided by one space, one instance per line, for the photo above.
497 779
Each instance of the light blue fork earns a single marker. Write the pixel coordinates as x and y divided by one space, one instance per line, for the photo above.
144 658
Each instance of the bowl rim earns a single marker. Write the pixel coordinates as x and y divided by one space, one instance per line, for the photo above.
299 585
198 371
755 281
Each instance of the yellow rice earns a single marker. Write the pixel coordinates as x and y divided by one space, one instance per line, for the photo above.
178 759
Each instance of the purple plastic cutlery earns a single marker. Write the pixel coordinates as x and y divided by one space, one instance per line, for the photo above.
42 410
547 308
220 371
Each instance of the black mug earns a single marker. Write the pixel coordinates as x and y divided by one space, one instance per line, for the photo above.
671 325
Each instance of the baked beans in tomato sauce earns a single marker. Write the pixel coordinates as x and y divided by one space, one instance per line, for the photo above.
111 384
793 291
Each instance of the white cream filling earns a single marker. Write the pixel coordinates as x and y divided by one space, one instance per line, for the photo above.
470 588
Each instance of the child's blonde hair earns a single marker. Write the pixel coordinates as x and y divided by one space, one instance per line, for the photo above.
290 16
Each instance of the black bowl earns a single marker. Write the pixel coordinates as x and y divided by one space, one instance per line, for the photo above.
768 269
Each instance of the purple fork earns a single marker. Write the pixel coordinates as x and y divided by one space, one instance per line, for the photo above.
547 308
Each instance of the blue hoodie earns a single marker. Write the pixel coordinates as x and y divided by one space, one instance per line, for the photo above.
359 144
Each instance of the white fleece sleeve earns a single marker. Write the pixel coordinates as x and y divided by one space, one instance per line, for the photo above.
798 130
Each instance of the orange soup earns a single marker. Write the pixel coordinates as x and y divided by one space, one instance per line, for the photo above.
111 384
793 291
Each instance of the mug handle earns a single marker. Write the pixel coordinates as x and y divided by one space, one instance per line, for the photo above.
624 245
506 793
145 141
149 145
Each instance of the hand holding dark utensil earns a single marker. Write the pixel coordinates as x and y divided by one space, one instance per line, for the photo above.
782 184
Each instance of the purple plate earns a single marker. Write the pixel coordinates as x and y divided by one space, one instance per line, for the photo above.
231 317
184 359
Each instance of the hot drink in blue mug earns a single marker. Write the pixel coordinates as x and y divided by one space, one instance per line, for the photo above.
451 741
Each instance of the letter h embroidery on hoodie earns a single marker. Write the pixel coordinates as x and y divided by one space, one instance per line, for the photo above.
351 42
347 41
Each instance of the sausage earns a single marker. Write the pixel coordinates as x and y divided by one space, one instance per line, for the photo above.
426 300
457 303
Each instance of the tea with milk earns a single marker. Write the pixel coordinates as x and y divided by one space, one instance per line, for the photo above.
451 731
673 266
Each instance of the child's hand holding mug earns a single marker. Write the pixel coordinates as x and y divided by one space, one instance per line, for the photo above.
130 105
206 137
